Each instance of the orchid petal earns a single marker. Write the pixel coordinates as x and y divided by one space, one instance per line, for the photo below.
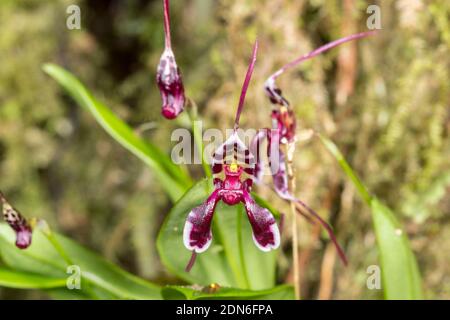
197 234
232 146
254 149
266 234
280 180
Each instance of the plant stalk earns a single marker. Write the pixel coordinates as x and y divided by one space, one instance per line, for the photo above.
292 190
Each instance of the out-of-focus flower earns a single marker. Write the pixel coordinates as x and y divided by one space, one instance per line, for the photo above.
283 132
18 223
232 190
168 76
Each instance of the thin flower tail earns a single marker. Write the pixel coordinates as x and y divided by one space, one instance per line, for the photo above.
275 94
18 223
168 76
245 85
266 234
301 204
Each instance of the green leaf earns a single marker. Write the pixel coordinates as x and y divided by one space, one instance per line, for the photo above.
42 258
24 280
283 292
174 180
233 260
400 273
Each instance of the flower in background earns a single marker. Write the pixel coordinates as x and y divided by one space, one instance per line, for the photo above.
283 131
18 223
232 190
168 76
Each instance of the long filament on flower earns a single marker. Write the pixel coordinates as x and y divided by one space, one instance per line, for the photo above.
327 227
320 50
245 85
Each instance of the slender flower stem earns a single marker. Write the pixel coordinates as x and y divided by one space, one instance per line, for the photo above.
168 41
292 188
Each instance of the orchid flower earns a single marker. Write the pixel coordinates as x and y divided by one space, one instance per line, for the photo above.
232 190
283 131
168 76
18 223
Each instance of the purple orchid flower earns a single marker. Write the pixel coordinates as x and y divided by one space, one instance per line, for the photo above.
283 131
18 223
168 76
232 190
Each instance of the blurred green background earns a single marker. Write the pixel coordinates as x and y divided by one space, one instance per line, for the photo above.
384 101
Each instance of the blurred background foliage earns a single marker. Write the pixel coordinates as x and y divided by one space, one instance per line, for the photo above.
383 100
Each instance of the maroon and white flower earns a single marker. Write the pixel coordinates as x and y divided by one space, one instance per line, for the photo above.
232 190
283 132
18 223
168 76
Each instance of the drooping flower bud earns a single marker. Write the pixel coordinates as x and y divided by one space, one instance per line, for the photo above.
170 85
18 223
168 76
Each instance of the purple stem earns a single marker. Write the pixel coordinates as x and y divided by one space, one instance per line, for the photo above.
328 228
191 261
319 50
245 85
167 38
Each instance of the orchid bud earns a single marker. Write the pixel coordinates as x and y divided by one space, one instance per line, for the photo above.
170 85
168 76
18 223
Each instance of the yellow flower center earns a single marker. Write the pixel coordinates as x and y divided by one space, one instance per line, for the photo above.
234 167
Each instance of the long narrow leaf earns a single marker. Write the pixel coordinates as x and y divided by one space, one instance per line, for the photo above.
173 179
41 258
181 293
400 273
23 280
